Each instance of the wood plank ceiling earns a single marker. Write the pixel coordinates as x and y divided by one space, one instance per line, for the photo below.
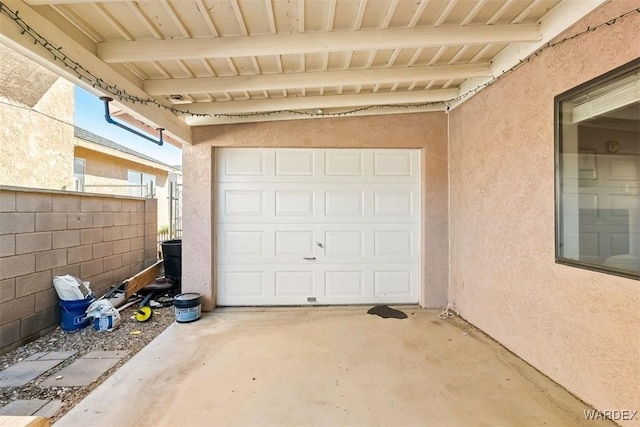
251 60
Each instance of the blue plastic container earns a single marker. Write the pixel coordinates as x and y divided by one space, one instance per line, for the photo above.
72 313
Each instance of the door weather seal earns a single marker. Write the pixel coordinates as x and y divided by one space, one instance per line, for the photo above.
107 117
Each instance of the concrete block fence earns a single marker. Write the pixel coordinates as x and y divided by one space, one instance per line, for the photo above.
43 233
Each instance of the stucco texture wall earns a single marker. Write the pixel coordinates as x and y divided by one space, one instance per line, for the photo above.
426 131
581 328
103 169
36 136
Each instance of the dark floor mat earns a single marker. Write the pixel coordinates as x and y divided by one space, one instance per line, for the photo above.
386 312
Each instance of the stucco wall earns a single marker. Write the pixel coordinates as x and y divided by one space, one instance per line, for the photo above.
36 136
103 169
579 327
100 239
426 131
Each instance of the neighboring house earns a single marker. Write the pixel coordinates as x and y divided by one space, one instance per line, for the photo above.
105 167
497 204
40 147
36 135
46 228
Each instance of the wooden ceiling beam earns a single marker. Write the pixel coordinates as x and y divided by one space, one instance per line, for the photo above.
326 101
292 115
312 79
336 41
52 2
553 24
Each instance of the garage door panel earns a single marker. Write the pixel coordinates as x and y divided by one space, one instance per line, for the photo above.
295 163
309 203
263 244
294 283
296 243
244 243
369 243
244 284
344 243
393 203
393 282
393 242
343 283
317 226
244 203
331 243
291 203
318 166
325 284
244 163
281 284
397 163
341 163
344 203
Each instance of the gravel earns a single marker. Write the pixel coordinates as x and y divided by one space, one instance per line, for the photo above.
130 335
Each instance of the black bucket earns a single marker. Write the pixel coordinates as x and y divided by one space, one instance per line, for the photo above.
172 258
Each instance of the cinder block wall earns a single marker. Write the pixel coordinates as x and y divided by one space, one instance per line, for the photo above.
100 239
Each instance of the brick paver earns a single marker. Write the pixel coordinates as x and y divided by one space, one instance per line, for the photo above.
36 356
32 367
49 410
105 355
25 371
51 355
23 407
35 407
80 373
86 370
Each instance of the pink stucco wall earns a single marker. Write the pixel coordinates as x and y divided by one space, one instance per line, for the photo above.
426 131
581 328
495 240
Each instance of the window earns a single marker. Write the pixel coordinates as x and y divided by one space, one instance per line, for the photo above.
141 184
78 173
598 172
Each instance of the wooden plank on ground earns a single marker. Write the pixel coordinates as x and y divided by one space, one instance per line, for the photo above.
142 279
14 421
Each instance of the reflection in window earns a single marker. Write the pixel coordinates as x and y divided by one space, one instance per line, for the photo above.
598 220
78 173
141 184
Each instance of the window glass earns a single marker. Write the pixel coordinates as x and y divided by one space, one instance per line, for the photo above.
598 217
134 179
141 184
149 183
78 173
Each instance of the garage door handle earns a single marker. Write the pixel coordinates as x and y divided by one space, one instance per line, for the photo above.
309 258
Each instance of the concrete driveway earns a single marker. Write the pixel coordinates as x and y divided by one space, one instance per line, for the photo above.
334 366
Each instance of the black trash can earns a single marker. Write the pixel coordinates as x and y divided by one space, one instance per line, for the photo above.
172 258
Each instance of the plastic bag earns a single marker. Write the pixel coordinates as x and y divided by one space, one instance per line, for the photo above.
105 316
71 288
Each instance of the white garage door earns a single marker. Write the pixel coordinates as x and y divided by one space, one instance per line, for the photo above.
301 226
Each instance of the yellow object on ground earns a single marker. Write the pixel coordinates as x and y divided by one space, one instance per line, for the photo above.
144 314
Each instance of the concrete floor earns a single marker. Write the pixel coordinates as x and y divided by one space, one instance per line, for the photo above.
326 366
